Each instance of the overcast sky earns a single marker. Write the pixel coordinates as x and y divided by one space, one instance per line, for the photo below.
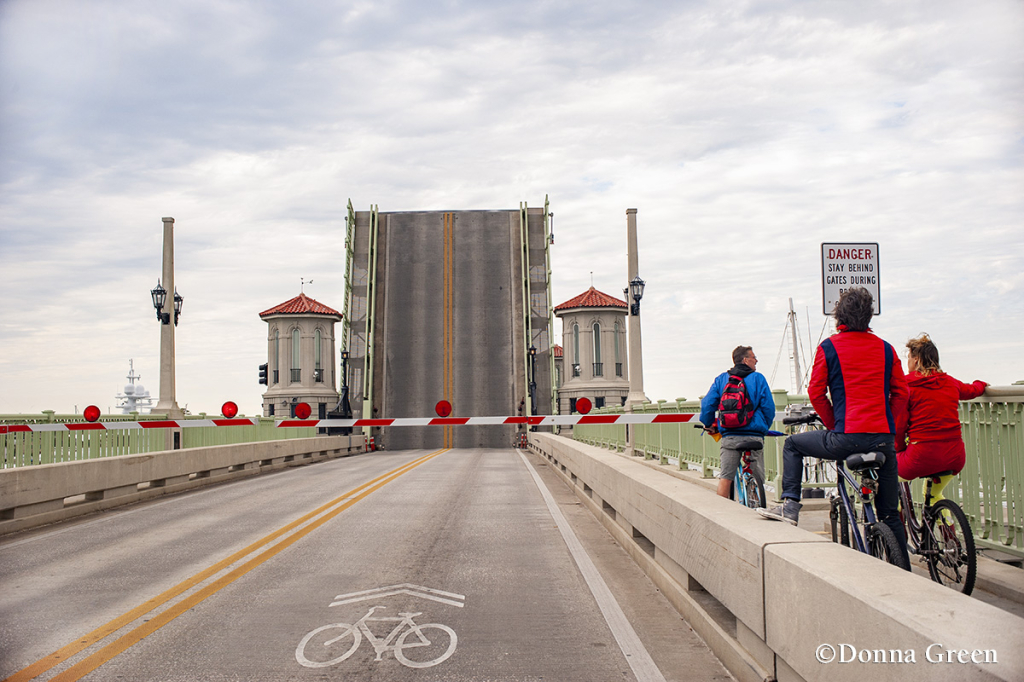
745 133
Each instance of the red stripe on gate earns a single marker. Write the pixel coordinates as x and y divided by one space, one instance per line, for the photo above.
16 428
374 422
232 422
515 420
673 418
534 421
599 419
449 421
166 424
86 426
298 422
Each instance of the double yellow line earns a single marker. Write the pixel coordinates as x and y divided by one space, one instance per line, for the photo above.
448 320
325 513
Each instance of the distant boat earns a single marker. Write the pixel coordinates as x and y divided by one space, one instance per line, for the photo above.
135 397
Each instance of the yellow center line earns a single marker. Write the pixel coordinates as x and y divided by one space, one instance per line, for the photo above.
100 633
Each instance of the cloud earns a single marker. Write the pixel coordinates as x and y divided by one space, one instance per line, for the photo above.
745 133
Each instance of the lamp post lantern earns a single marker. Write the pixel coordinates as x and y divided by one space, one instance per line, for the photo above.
532 380
346 407
636 291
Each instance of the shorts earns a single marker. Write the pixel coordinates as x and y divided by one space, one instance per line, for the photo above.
923 458
730 457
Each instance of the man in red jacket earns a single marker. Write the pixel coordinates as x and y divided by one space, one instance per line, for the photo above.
858 389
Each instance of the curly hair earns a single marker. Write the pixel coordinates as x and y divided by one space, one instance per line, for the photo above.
739 353
924 351
855 308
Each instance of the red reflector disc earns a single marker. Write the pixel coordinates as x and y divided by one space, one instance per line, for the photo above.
583 405
302 411
91 413
229 409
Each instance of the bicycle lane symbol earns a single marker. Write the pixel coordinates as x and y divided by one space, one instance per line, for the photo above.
413 644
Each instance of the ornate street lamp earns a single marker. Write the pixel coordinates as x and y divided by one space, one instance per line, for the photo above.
346 407
533 379
178 300
636 290
159 295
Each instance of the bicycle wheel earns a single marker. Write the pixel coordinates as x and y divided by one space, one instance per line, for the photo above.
326 647
840 522
954 563
882 544
753 491
430 647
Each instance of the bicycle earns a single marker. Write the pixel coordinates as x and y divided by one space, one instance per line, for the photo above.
877 539
747 484
401 641
942 539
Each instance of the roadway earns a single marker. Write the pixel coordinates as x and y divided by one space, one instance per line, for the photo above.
226 582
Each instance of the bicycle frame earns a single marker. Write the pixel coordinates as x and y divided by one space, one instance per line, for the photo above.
867 490
746 469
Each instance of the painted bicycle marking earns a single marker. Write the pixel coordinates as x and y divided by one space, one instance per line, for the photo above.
405 636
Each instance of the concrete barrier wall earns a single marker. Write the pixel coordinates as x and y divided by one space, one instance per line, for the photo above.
770 598
46 493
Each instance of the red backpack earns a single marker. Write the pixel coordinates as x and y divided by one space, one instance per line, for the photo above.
735 409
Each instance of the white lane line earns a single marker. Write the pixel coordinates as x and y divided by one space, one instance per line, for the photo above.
633 649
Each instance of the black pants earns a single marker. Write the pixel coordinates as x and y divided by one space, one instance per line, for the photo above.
836 447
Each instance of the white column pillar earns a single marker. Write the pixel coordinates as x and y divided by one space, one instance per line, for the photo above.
168 404
636 361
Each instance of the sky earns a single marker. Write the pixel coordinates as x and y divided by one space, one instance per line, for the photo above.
745 133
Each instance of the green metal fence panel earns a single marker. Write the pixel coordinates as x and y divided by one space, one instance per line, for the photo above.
990 488
51 447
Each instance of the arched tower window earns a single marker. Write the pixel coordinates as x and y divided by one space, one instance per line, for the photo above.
296 356
618 352
598 366
575 350
277 355
318 372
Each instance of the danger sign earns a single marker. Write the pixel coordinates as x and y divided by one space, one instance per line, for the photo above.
844 266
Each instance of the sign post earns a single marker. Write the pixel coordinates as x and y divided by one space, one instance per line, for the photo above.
846 265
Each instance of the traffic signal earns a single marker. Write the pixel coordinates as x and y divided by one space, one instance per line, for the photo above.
263 374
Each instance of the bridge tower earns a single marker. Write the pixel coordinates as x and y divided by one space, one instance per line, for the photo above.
300 357
595 361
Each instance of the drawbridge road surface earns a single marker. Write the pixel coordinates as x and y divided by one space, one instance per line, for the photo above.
467 564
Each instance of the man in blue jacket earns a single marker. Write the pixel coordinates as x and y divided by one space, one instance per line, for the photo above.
745 362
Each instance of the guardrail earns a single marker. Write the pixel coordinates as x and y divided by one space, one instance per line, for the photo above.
777 602
52 447
35 495
990 488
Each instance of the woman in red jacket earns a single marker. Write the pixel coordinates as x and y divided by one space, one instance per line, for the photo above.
928 437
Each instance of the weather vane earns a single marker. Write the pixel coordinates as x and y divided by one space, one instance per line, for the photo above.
303 283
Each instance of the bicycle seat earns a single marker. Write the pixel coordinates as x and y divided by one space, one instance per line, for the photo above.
865 460
744 445
939 473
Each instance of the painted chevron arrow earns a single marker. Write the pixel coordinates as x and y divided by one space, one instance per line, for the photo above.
405 588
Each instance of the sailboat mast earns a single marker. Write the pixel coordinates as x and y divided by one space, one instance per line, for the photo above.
796 349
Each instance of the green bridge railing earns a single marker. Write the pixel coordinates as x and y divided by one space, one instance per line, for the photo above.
990 488
52 447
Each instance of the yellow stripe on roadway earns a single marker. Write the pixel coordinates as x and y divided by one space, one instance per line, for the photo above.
94 661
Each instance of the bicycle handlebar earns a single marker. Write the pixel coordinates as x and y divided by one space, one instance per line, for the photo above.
804 419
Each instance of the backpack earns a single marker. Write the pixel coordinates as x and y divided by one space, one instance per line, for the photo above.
735 409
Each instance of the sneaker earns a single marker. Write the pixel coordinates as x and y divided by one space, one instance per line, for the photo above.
788 511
